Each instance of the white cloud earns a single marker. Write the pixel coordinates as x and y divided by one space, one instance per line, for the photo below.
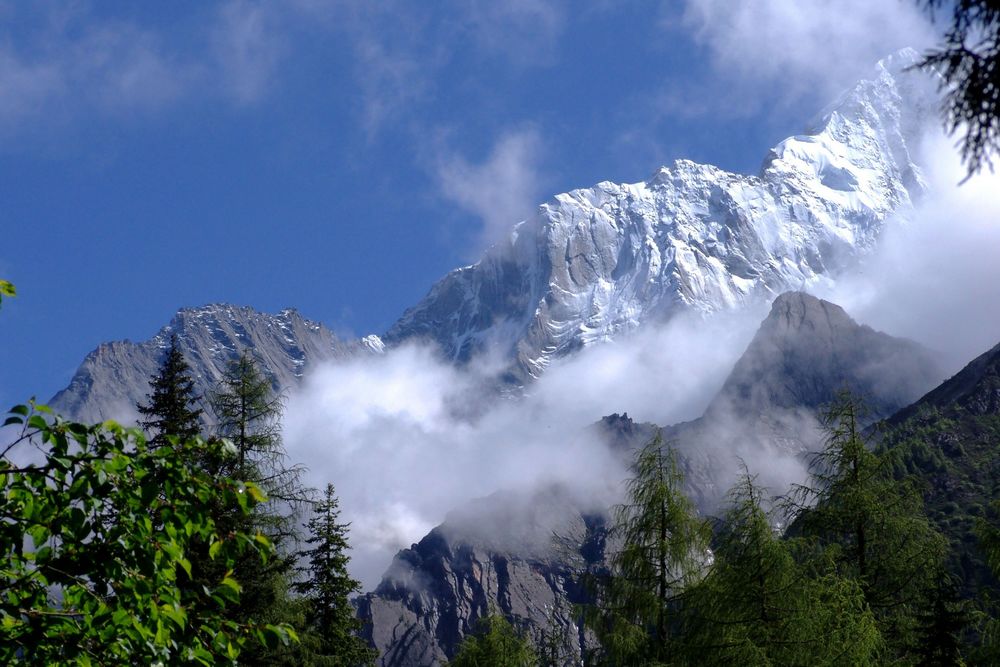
397 437
501 190
249 44
69 63
805 47
936 279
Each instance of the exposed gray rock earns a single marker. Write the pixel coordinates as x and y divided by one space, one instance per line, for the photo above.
115 377
766 416
522 556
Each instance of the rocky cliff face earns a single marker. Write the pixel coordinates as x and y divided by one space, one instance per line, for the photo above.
115 377
511 554
594 262
499 555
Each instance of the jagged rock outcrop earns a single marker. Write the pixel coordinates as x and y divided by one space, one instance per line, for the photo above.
115 377
519 555
595 262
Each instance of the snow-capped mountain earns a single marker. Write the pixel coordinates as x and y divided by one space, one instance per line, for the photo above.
595 262
115 377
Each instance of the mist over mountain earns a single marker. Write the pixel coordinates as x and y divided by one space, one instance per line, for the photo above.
525 553
609 299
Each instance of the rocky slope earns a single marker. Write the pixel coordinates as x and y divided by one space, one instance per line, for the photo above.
521 556
594 262
115 377
499 554
766 415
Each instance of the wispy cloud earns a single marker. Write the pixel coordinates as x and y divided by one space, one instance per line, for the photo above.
501 190
807 47
935 278
248 41
59 65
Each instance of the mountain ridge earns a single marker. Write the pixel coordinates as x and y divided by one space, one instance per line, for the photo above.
115 376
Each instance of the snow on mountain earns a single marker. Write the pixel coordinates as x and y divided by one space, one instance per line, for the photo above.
596 262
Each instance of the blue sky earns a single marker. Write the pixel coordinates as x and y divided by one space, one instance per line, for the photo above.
340 156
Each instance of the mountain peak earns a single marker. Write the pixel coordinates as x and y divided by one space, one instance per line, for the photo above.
797 311
599 261
114 378
975 388
808 349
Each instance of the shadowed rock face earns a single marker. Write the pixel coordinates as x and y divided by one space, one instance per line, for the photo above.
115 377
521 556
767 413
809 349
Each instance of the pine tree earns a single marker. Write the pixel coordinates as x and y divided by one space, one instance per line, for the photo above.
327 589
872 525
757 606
171 409
661 550
249 416
497 644
943 625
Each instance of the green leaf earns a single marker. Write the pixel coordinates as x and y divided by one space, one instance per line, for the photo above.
7 288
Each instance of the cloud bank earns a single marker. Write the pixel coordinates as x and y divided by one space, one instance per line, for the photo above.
395 434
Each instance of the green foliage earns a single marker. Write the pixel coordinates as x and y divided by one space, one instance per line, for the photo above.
943 626
330 618
6 289
758 606
497 644
96 540
661 548
872 526
968 62
171 409
249 417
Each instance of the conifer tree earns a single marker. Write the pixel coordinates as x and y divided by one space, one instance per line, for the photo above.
943 625
497 644
660 549
330 617
249 415
872 525
757 606
172 407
